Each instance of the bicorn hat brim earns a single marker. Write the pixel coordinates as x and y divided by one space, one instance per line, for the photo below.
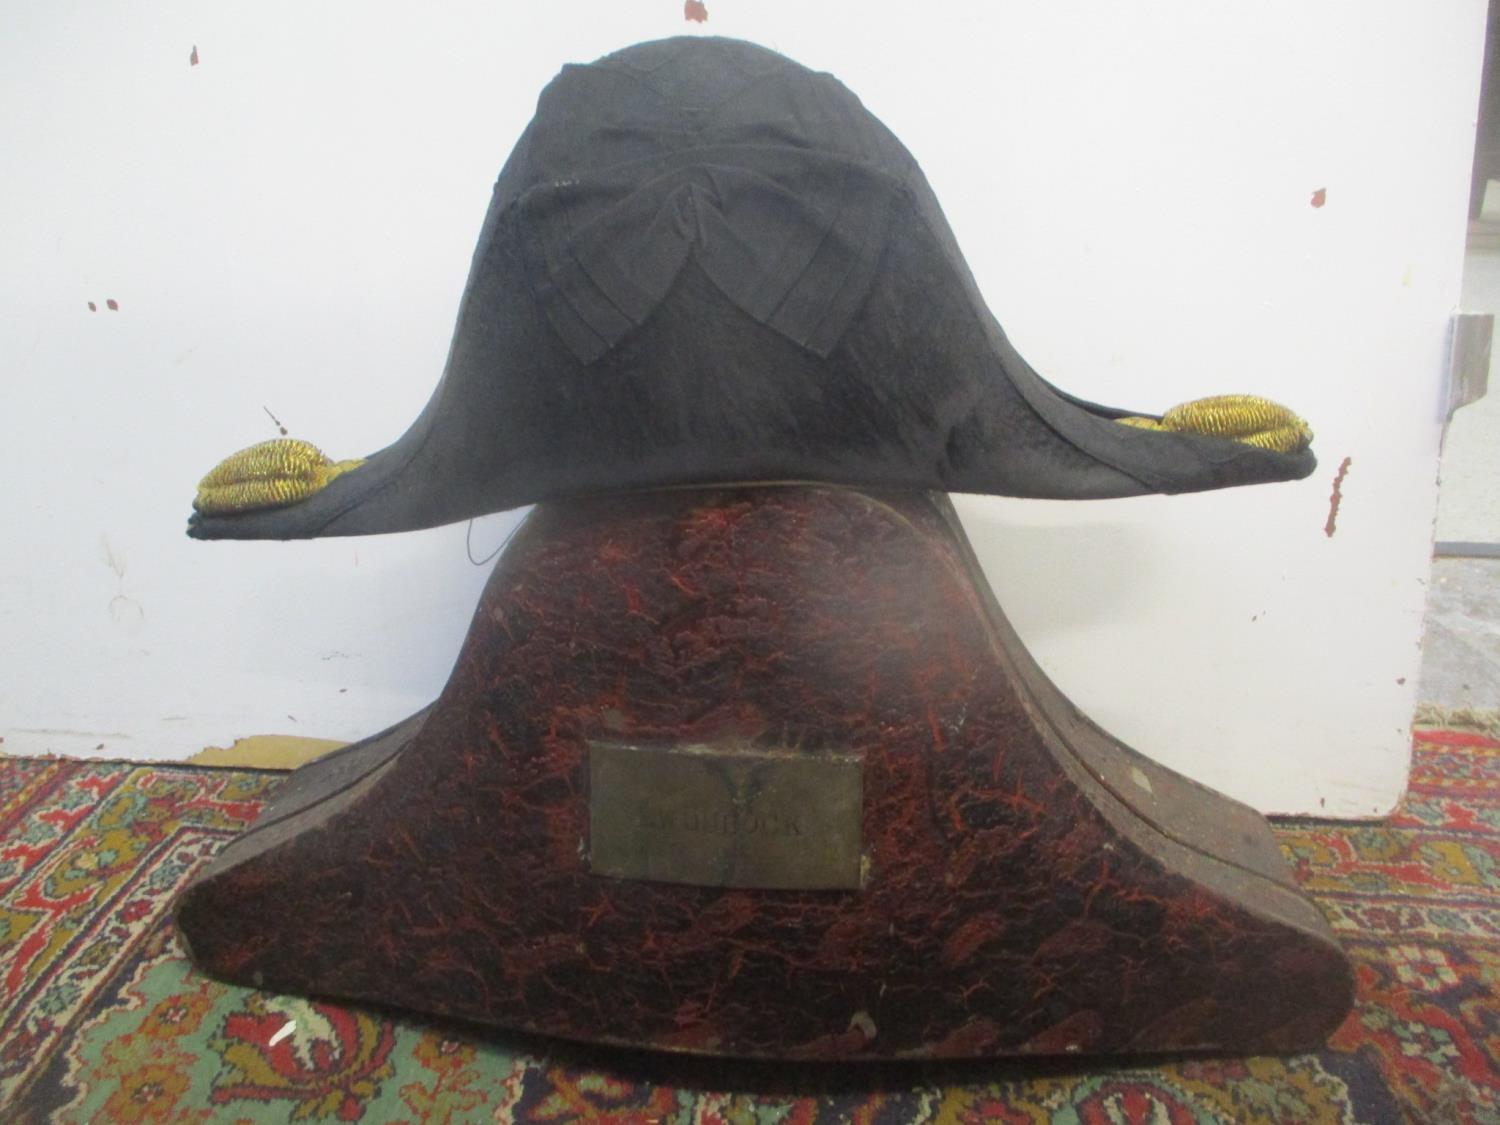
706 264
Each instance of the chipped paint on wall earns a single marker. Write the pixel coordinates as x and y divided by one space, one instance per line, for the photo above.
1336 497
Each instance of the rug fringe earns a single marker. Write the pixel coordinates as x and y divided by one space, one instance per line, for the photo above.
1484 722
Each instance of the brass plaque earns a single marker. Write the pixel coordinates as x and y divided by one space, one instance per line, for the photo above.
725 818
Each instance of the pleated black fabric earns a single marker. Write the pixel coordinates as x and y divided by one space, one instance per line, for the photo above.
704 264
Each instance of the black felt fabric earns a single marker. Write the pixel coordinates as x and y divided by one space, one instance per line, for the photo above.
703 264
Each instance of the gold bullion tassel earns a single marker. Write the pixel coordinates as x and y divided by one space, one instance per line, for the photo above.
271 474
1246 418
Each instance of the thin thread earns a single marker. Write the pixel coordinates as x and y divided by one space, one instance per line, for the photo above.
469 545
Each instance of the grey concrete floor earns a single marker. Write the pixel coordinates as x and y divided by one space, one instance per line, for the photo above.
1461 642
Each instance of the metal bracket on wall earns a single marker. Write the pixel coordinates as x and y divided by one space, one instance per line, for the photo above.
1468 359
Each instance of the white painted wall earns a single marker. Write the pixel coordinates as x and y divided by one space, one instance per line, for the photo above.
288 225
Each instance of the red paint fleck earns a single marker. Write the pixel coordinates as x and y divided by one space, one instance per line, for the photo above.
93 307
112 305
1337 497
695 10
193 58
1320 197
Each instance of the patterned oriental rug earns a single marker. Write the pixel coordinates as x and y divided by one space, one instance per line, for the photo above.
103 1020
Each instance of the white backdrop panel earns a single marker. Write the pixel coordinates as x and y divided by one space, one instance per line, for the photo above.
286 226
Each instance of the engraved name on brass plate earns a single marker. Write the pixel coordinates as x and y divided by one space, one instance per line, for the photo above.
725 818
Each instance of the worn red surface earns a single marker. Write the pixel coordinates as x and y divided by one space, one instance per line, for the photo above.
1011 905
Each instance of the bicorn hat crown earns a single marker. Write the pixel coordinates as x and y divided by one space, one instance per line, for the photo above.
706 264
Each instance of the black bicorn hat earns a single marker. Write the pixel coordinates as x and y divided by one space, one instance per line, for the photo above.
706 264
